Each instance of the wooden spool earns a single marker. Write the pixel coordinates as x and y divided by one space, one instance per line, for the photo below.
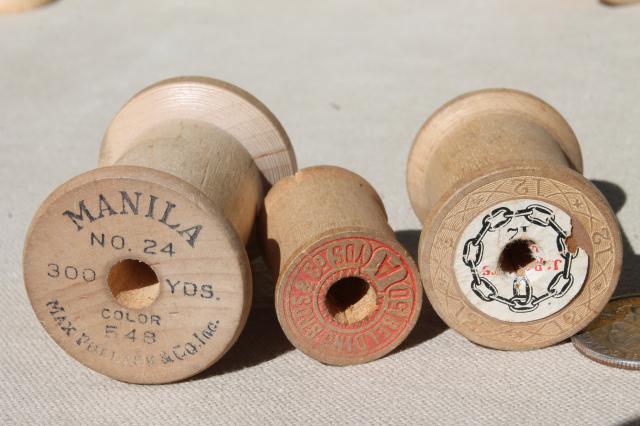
138 268
619 2
519 250
346 292
15 6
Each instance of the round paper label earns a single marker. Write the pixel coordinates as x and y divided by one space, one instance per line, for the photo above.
513 261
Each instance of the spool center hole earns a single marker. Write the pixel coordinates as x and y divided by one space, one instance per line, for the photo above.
350 300
133 283
516 255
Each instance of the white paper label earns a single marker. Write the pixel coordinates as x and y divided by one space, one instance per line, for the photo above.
530 228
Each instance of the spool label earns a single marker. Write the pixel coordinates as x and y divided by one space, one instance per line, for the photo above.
178 303
134 204
308 320
514 264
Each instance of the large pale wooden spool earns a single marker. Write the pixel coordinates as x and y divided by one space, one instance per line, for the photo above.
138 269
503 168
346 291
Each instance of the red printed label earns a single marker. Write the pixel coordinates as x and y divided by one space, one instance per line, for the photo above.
307 315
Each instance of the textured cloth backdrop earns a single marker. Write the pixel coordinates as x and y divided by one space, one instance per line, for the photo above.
351 82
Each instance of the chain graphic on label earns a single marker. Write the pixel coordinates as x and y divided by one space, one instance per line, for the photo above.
523 299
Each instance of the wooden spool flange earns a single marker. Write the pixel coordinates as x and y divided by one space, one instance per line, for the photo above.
15 6
619 2
138 268
519 250
347 292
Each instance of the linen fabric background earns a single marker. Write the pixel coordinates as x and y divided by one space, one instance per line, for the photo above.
351 82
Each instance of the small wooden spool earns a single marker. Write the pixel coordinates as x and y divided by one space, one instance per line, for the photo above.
519 250
15 6
138 268
347 292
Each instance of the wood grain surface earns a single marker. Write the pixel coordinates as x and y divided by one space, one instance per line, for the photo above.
347 292
138 269
476 156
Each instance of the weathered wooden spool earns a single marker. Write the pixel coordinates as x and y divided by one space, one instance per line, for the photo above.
519 250
347 292
138 269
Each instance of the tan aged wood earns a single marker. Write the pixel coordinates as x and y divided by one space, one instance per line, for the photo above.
138 268
619 2
15 6
346 292
518 250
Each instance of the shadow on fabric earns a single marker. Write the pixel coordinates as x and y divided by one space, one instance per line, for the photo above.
629 282
429 324
262 338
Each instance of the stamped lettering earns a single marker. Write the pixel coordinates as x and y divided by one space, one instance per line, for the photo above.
307 312
145 205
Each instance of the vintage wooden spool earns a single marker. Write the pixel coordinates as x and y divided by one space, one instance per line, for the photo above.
138 269
619 2
519 250
346 291
15 6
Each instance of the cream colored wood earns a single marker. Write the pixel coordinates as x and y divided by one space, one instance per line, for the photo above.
501 149
203 283
480 131
209 159
316 200
619 2
138 268
347 292
204 100
15 6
